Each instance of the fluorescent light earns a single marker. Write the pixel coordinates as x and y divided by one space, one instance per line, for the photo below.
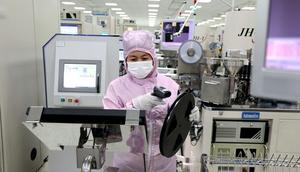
125 18
248 8
153 5
210 20
152 14
217 18
197 7
188 11
154 0
120 12
180 17
123 15
111 4
224 15
153 10
185 14
79 8
204 1
87 12
116 9
68 3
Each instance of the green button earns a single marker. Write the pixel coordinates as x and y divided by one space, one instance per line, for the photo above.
62 99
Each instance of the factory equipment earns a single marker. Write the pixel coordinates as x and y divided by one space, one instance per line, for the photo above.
68 130
75 69
252 140
190 65
76 77
276 66
226 80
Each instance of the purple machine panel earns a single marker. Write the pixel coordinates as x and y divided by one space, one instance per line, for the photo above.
171 42
283 38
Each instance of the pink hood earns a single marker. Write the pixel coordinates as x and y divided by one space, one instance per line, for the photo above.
140 41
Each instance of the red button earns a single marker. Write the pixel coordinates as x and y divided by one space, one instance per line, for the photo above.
76 101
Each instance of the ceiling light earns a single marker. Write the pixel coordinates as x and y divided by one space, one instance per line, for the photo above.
204 1
79 8
87 12
217 18
224 15
153 10
188 11
210 20
185 14
152 14
153 5
248 8
120 12
125 18
68 3
123 15
111 4
116 9
197 7
154 0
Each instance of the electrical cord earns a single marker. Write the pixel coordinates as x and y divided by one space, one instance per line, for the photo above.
42 165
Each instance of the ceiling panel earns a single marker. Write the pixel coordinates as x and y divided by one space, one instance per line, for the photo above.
138 9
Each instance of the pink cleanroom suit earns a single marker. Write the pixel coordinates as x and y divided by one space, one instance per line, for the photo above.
119 94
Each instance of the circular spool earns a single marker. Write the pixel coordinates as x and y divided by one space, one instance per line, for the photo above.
176 125
190 52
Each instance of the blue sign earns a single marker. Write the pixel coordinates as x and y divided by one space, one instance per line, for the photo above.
250 115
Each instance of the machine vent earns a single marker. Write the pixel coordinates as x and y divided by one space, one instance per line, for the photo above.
226 133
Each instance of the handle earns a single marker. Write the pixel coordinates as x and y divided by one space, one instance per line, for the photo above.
98 84
161 92
212 82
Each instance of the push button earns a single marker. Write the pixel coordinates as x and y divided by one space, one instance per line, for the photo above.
62 99
76 101
70 100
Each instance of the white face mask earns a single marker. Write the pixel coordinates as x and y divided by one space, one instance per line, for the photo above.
140 69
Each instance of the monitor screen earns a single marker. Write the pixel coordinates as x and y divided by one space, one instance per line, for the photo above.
170 27
80 75
283 37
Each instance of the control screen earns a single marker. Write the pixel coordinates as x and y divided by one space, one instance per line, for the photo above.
80 75
283 40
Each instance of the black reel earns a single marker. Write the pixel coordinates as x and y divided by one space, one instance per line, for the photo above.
176 125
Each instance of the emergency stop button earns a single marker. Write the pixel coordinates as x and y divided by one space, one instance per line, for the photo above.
76 100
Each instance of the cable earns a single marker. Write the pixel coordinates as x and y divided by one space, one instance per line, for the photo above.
44 162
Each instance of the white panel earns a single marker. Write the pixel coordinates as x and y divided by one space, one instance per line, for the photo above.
235 22
288 140
18 77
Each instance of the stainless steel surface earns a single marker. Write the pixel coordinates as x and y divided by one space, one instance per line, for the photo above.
233 65
87 164
97 154
212 64
215 90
